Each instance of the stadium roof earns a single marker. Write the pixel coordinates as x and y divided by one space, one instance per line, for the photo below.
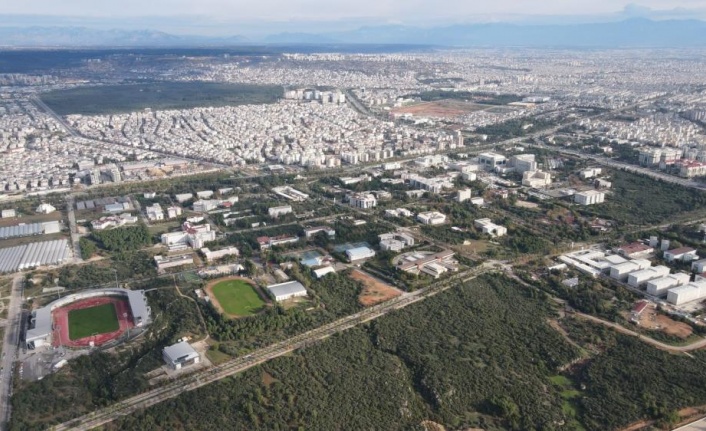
42 325
138 306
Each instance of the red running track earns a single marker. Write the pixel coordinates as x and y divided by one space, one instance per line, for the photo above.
61 322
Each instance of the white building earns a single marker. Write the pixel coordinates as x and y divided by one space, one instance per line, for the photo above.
275 212
283 291
590 173
638 278
173 212
180 355
622 270
589 197
8 213
431 218
217 254
660 286
359 253
395 241
523 163
491 161
536 179
183 197
682 254
363 200
464 195
45 209
154 212
203 206
490 228
687 293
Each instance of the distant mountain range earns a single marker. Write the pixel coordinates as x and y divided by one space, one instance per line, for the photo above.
638 32
88 37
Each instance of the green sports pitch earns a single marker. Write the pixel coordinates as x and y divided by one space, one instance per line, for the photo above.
89 321
237 298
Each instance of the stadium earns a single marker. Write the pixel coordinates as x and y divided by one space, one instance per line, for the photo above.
87 319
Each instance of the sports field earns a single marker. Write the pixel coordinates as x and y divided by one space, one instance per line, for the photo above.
85 322
236 297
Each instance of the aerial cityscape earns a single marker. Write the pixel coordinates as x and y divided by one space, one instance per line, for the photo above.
298 217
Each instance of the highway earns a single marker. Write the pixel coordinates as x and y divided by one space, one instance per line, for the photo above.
75 244
9 349
237 365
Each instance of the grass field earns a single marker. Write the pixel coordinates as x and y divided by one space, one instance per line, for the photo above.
92 320
111 99
237 298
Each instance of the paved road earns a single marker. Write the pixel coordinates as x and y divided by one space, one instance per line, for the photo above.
9 349
237 365
72 228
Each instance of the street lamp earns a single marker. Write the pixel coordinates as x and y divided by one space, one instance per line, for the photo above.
116 277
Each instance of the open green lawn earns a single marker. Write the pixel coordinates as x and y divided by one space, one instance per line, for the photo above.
238 298
93 320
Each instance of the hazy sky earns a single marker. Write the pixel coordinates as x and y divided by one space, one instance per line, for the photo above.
218 15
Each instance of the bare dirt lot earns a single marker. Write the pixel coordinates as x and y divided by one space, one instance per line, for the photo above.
374 290
441 109
650 319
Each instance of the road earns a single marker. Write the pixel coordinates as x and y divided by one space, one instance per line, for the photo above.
72 228
9 349
626 167
237 365
698 344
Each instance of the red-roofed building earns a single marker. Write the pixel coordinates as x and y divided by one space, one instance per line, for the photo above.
681 254
639 307
635 250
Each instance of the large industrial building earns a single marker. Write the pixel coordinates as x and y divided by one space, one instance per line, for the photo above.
180 355
29 229
33 255
639 278
660 286
288 290
687 293
359 253
395 241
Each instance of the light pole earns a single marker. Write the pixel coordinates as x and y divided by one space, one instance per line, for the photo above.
116 277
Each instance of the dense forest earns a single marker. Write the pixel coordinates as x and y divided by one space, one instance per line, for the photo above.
478 355
122 238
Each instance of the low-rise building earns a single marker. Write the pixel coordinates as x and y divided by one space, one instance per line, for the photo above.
362 200
217 254
284 291
45 208
687 293
464 195
8 213
660 286
359 253
395 241
183 197
698 266
635 250
310 232
681 254
275 212
639 278
491 161
180 355
154 212
489 228
589 197
536 179
622 270
204 205
165 262
431 218
173 212
266 242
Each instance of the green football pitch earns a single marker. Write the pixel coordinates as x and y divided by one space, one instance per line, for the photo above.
92 321
237 298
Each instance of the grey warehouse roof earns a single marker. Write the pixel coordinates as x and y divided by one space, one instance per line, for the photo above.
34 254
180 351
42 325
287 288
